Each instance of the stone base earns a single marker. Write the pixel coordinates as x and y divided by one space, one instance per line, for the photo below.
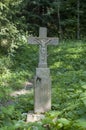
42 90
32 117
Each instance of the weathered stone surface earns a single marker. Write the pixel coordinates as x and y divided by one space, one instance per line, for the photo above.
42 32
42 90
43 41
31 117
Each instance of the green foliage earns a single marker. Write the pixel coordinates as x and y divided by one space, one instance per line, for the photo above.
22 16
9 34
18 61
23 104
68 72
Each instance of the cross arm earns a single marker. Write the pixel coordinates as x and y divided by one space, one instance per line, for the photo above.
32 40
38 40
53 41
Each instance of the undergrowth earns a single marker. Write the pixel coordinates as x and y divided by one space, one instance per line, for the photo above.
67 63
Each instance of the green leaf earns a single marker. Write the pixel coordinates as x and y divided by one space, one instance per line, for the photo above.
64 121
83 84
81 122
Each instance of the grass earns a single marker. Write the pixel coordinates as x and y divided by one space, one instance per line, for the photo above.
67 64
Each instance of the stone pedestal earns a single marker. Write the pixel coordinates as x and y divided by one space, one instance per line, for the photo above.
31 117
42 90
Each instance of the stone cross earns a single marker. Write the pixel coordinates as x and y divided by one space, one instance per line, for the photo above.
42 84
43 41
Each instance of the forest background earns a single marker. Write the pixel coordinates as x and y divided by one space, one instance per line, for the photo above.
65 19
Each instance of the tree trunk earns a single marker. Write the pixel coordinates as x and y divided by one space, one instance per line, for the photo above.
59 21
78 19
